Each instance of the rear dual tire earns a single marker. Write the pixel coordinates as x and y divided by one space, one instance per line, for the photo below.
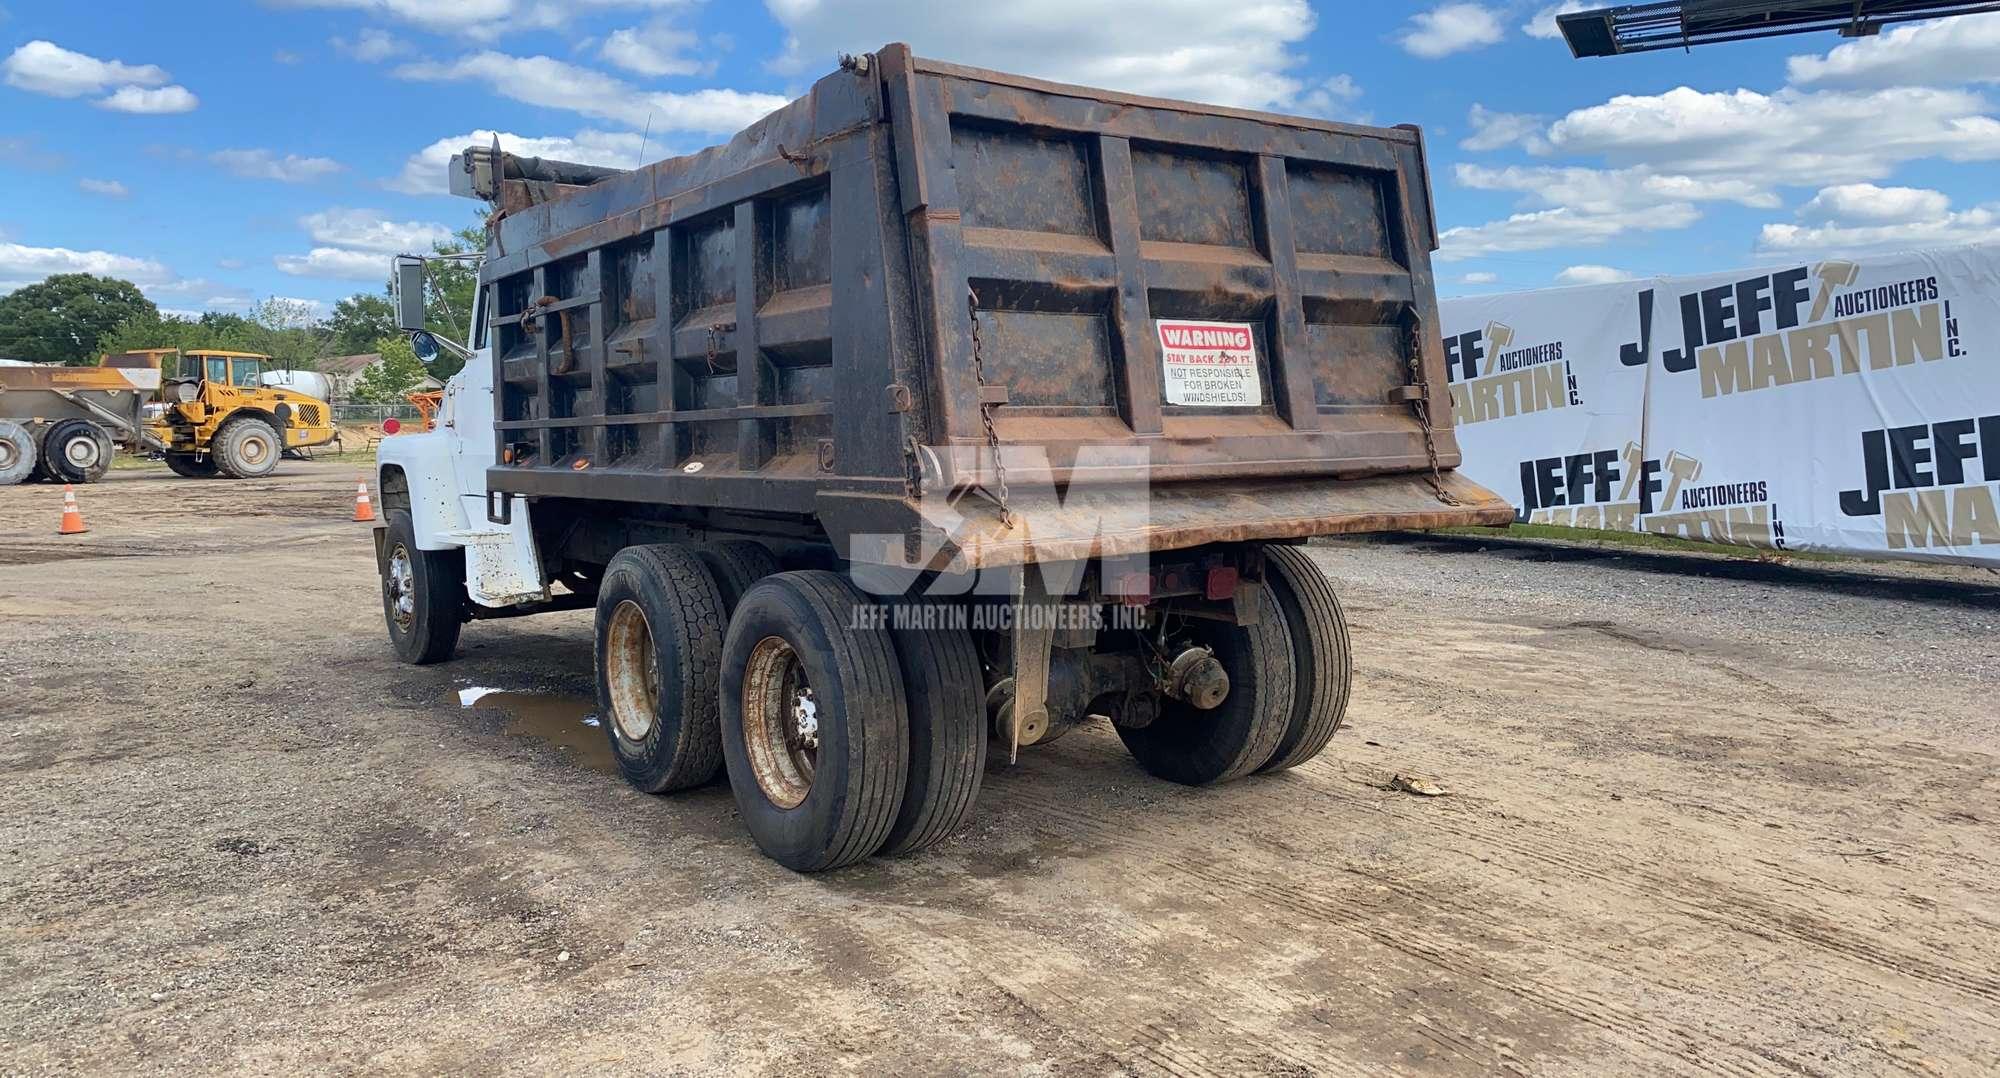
1288 676
659 650
816 728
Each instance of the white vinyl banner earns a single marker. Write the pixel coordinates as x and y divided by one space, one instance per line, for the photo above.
1847 405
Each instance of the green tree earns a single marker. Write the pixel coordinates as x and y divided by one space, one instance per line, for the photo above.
359 321
399 372
290 333
64 318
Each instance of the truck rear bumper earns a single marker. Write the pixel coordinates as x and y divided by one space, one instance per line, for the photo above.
1095 522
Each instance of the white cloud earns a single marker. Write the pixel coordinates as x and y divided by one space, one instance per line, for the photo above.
656 49
1450 28
107 188
287 57
137 99
1947 52
1879 205
265 165
370 46
1788 137
1543 24
1561 227
551 83
424 172
485 20
355 244
1335 99
1862 217
369 230
1594 190
1479 277
1577 206
1592 274
336 264
1496 130
23 265
43 67
1242 52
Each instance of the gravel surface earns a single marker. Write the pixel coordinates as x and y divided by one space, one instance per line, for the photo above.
1703 817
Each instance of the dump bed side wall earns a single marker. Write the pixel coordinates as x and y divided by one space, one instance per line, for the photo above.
715 330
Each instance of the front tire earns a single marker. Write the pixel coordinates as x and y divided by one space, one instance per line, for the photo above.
1197 747
659 647
815 726
247 448
423 594
76 451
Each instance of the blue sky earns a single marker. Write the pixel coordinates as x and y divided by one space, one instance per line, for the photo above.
221 152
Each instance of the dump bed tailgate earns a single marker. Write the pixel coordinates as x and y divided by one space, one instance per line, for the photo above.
1242 294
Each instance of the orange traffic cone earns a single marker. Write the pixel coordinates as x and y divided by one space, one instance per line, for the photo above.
72 518
363 509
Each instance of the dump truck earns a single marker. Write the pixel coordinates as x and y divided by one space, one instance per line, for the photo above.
62 424
219 414
940 412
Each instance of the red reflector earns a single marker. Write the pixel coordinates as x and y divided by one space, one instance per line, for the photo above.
391 425
1222 582
1134 589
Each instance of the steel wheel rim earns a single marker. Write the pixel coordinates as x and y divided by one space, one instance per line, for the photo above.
401 584
10 455
255 449
631 672
781 718
82 453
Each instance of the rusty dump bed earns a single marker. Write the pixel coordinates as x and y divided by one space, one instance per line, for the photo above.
819 319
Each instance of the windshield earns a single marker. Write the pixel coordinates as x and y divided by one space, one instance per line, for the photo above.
247 371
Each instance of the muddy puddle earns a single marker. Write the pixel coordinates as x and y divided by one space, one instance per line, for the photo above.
569 723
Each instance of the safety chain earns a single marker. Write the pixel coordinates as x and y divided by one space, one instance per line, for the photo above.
1421 404
986 413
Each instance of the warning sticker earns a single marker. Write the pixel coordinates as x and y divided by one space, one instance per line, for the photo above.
1209 364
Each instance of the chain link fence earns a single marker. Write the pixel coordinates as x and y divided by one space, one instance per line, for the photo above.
372 415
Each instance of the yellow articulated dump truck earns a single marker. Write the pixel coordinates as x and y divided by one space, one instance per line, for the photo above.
216 416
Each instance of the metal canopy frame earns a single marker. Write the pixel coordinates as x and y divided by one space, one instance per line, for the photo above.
1683 24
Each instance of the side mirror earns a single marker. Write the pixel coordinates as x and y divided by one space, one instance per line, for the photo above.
424 345
408 280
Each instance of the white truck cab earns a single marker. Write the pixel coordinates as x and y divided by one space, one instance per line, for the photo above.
435 505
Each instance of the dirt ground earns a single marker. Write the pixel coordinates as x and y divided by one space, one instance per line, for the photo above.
1705 817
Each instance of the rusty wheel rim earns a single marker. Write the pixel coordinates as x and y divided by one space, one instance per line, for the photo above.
781 718
631 672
